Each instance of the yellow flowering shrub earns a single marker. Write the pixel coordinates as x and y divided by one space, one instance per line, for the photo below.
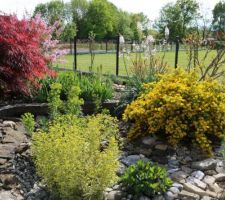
70 159
180 107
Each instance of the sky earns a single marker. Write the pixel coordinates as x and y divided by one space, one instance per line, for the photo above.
149 7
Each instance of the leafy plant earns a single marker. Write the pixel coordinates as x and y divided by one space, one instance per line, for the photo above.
146 178
28 122
24 54
180 107
54 100
70 159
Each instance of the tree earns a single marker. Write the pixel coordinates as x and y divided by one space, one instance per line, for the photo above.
101 18
24 55
219 17
177 17
51 12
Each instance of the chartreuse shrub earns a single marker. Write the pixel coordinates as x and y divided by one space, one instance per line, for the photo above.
28 122
146 178
180 107
70 159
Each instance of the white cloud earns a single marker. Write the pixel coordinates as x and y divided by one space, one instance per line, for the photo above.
149 7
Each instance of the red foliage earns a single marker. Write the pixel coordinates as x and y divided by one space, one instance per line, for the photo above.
22 61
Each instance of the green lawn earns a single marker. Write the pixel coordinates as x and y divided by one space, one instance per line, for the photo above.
108 61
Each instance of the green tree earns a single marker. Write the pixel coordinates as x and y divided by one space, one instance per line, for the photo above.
219 16
101 18
177 17
51 11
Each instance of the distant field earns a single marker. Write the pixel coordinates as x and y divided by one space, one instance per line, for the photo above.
108 61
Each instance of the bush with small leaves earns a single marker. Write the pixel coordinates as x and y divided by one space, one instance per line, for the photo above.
70 158
146 179
28 122
180 108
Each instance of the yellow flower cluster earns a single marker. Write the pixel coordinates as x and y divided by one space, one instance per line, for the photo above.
181 107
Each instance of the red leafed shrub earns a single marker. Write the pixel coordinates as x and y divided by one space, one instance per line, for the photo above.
23 59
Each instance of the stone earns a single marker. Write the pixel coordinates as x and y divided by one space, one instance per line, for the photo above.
108 189
114 195
10 124
170 195
144 198
179 175
215 188
194 189
8 180
148 140
198 174
7 195
188 170
210 172
185 195
206 198
161 147
200 184
210 193
209 180
177 185
132 159
2 161
116 187
220 169
121 169
158 197
6 151
219 177
171 171
174 190
208 164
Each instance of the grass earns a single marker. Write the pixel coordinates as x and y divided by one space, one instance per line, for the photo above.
108 61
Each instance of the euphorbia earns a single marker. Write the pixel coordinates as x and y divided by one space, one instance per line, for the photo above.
25 51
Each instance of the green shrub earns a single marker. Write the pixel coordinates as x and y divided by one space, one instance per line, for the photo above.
28 122
70 159
180 107
54 99
146 178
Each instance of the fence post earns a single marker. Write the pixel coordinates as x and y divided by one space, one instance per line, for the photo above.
106 46
71 46
177 51
75 53
117 54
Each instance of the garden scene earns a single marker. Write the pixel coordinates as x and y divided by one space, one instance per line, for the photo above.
101 103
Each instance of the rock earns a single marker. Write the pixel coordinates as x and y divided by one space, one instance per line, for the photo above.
161 147
10 124
206 198
210 172
6 151
177 176
8 180
114 195
208 164
121 169
148 140
116 187
158 197
215 188
198 174
194 189
200 184
219 177
21 148
220 169
7 195
171 171
132 159
170 195
209 180
144 198
174 190
185 195
2 161
187 170
177 185
108 189
129 196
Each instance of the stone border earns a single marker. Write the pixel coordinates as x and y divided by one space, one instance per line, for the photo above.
17 110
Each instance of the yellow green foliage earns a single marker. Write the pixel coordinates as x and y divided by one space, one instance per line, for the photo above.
71 160
180 107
